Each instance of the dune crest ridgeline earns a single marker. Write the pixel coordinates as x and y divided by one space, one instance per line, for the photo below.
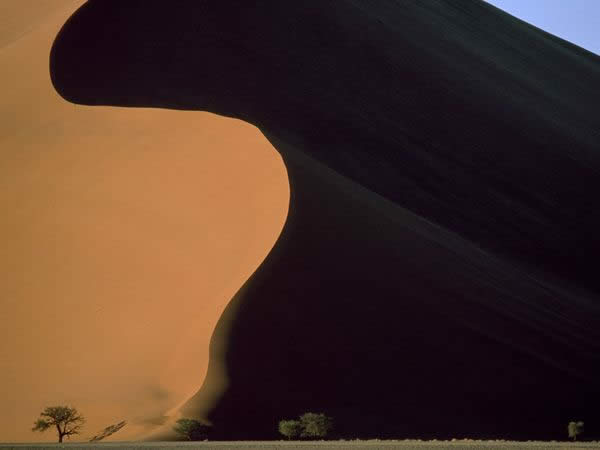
436 276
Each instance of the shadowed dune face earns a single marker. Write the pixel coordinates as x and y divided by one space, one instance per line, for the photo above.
122 53
437 269
422 72
124 235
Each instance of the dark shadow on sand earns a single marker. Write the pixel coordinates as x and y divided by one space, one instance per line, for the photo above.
437 275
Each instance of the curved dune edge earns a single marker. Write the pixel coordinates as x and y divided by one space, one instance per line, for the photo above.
125 233
436 274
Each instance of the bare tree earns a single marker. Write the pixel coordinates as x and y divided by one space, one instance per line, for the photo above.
66 420
108 431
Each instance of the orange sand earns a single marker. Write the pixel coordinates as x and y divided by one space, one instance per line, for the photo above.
124 235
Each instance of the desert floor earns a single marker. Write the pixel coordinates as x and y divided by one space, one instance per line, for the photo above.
371 444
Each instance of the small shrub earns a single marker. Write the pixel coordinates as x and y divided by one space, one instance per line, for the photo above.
315 425
290 428
575 429
192 429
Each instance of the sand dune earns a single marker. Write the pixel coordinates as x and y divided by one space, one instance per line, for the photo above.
436 275
124 234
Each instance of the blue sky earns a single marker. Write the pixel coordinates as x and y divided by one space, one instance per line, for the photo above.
577 21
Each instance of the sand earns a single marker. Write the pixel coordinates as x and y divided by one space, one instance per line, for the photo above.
124 234
372 444
437 275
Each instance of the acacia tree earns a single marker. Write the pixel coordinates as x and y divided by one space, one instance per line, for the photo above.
66 420
575 429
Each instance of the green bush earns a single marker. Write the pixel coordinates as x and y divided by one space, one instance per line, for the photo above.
290 428
192 429
575 429
315 425
310 425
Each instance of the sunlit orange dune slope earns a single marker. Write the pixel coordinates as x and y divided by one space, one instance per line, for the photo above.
123 235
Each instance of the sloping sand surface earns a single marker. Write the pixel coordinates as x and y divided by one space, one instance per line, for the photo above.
124 234
19 18
437 274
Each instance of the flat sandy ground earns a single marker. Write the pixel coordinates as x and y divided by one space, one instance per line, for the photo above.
374 444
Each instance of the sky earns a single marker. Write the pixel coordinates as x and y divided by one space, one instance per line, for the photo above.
577 21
